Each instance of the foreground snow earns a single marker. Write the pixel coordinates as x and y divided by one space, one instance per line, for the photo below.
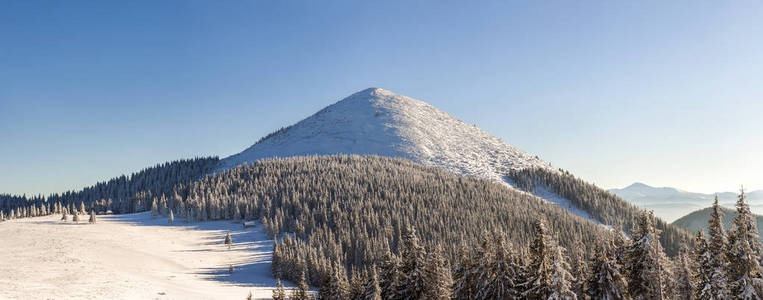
132 257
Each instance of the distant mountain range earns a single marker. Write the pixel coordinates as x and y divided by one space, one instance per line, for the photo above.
671 203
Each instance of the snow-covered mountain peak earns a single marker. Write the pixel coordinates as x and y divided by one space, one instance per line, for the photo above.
377 121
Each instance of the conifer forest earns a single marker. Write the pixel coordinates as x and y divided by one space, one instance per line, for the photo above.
370 227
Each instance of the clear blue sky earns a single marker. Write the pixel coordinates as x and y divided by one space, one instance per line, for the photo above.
668 94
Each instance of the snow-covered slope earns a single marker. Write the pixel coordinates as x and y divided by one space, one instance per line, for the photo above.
132 256
377 121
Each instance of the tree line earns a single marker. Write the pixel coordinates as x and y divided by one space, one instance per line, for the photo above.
720 266
601 204
123 194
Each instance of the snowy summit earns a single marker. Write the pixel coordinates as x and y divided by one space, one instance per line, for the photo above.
377 121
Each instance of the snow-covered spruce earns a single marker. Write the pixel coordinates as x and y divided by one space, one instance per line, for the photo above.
746 277
648 269
606 281
593 202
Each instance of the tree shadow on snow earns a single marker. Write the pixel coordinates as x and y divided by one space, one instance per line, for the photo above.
254 271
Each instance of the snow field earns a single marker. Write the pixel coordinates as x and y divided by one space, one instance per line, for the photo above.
132 257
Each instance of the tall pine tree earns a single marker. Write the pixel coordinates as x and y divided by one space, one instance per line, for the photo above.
504 273
744 254
373 290
538 285
413 268
683 270
561 278
389 277
646 267
606 281
437 277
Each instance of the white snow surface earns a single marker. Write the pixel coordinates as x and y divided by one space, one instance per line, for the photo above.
132 257
377 121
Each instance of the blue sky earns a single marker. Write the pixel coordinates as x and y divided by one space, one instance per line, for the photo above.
669 94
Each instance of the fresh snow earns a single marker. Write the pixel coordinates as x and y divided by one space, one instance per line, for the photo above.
542 192
132 257
377 121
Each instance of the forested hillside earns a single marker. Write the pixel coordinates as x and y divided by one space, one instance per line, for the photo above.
698 220
10 204
351 208
721 265
601 204
370 226
124 194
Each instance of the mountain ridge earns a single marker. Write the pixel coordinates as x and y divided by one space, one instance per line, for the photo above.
671 203
377 121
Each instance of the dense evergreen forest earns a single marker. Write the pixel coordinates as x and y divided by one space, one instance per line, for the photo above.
601 204
124 194
721 265
350 208
369 227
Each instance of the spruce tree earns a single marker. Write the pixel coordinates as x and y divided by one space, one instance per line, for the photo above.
539 282
75 218
606 281
154 208
171 218
279 293
357 284
437 277
561 279
618 248
64 217
475 270
705 288
744 254
646 269
713 261
684 274
505 270
580 270
302 290
389 275
413 285
372 289
92 217
336 286
462 277
228 240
